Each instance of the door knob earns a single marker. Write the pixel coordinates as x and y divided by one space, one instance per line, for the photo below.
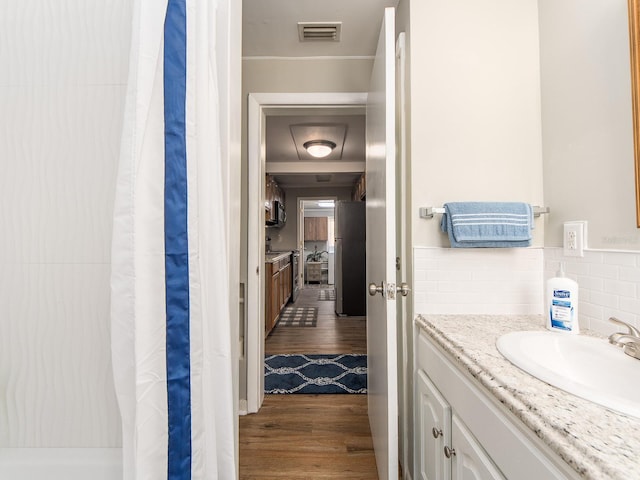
373 289
449 452
435 432
403 289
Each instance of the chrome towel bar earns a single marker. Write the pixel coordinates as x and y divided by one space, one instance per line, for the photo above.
429 212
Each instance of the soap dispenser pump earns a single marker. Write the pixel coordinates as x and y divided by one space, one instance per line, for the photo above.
562 303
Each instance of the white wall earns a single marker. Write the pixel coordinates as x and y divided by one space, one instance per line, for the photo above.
587 120
294 75
62 89
475 107
588 153
335 74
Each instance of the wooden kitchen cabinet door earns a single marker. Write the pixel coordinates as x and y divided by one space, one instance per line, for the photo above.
316 229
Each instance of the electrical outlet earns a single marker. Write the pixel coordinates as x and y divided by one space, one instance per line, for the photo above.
574 239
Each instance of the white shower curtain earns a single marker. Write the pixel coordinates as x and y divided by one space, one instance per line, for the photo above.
171 342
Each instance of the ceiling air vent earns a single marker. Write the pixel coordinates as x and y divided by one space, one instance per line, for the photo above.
319 31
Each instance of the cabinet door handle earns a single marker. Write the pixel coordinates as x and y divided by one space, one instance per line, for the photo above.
449 452
435 432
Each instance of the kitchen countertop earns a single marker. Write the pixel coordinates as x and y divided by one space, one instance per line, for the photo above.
597 443
271 257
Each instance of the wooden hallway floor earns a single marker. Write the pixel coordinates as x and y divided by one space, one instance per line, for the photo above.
308 437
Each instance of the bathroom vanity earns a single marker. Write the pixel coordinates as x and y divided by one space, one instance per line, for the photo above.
477 416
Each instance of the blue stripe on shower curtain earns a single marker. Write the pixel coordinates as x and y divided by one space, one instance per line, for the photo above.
176 243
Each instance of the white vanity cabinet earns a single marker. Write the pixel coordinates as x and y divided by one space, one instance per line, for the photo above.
445 448
483 440
433 416
468 458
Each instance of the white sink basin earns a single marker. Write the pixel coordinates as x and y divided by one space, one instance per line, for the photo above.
588 367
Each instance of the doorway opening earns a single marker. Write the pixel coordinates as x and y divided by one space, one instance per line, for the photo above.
317 241
262 106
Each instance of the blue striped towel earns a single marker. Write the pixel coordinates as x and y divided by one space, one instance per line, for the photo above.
488 224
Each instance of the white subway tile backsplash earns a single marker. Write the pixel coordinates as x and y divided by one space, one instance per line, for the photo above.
604 299
488 281
620 288
442 274
609 288
630 274
604 271
630 305
591 283
493 281
575 269
590 309
621 259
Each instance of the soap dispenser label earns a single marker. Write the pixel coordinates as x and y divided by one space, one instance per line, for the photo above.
561 310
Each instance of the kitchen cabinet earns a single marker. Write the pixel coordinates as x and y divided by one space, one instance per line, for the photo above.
273 297
360 189
454 417
278 288
273 193
316 229
285 284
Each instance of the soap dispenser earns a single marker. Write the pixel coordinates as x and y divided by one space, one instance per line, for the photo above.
562 303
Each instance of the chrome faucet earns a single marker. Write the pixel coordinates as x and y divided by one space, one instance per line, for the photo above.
629 342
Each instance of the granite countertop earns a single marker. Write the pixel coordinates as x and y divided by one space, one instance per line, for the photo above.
271 257
597 443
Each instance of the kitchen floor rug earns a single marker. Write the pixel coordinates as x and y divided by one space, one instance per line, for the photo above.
298 317
315 373
327 294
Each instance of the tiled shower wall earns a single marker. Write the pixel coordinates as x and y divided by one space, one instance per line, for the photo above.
496 281
62 89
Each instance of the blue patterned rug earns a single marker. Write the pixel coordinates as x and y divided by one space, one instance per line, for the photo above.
297 373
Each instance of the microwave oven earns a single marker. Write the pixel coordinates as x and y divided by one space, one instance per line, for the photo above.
278 215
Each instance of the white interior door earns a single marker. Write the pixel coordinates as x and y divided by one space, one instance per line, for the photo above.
381 253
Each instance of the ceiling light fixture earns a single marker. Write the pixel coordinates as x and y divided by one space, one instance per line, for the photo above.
319 148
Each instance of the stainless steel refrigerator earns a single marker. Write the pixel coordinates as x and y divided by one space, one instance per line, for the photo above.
350 268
